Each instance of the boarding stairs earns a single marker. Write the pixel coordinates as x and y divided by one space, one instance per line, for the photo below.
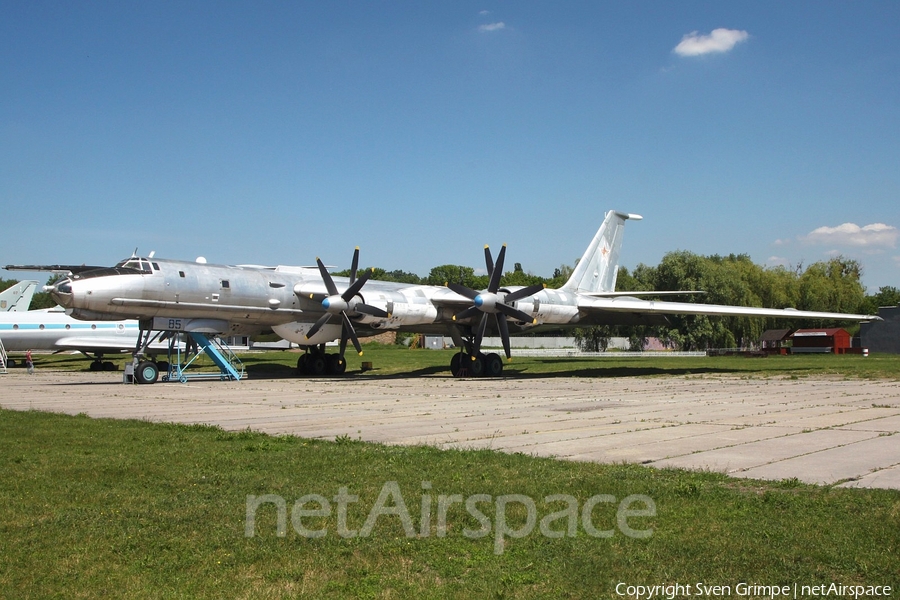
3 370
230 366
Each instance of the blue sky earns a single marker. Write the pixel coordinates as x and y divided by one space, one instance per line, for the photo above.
275 132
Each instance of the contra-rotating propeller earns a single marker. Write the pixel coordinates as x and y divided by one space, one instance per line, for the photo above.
341 304
492 302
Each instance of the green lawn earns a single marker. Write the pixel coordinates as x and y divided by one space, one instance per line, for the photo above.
100 508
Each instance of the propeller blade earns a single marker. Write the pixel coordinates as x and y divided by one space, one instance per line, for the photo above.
318 325
348 328
462 290
343 345
479 335
326 277
488 261
469 312
371 310
357 285
523 293
504 334
353 267
497 272
516 314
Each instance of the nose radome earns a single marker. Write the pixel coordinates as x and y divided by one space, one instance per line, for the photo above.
62 293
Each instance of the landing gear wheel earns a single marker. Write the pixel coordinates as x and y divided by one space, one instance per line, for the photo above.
147 372
96 366
493 365
459 365
454 364
109 366
476 366
302 363
315 365
336 364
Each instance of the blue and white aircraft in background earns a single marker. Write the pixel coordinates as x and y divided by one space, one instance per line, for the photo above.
52 329
310 307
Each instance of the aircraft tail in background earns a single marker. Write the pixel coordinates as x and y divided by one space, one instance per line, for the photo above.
18 297
597 270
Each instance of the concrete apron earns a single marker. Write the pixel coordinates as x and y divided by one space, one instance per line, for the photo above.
819 430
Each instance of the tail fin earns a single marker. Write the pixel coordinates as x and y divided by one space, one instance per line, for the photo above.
18 297
598 268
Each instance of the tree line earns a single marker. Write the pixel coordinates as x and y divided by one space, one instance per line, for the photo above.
831 286
826 286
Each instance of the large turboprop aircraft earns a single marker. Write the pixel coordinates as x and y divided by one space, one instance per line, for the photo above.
310 307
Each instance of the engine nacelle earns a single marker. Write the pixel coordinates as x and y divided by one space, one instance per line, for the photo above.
296 332
404 314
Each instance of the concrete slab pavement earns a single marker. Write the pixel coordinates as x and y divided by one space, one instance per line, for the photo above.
819 430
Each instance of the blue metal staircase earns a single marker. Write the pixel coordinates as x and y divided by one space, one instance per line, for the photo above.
229 364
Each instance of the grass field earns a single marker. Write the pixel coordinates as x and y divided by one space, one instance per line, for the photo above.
99 508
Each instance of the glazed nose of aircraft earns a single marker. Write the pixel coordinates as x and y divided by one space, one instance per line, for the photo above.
62 293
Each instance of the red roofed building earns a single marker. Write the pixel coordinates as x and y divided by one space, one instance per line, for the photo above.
835 340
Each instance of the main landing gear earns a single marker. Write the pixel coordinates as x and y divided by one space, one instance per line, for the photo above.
102 365
316 362
464 364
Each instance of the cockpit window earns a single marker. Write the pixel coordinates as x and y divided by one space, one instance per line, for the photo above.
139 264
105 272
129 266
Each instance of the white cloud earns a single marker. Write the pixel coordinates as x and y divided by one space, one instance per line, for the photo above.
484 13
850 234
720 40
492 27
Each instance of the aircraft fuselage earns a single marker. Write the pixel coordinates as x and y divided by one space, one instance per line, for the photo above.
249 299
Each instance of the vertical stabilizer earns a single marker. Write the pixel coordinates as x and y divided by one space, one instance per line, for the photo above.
598 268
18 297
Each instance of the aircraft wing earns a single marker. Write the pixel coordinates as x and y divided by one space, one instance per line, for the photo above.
634 306
642 293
